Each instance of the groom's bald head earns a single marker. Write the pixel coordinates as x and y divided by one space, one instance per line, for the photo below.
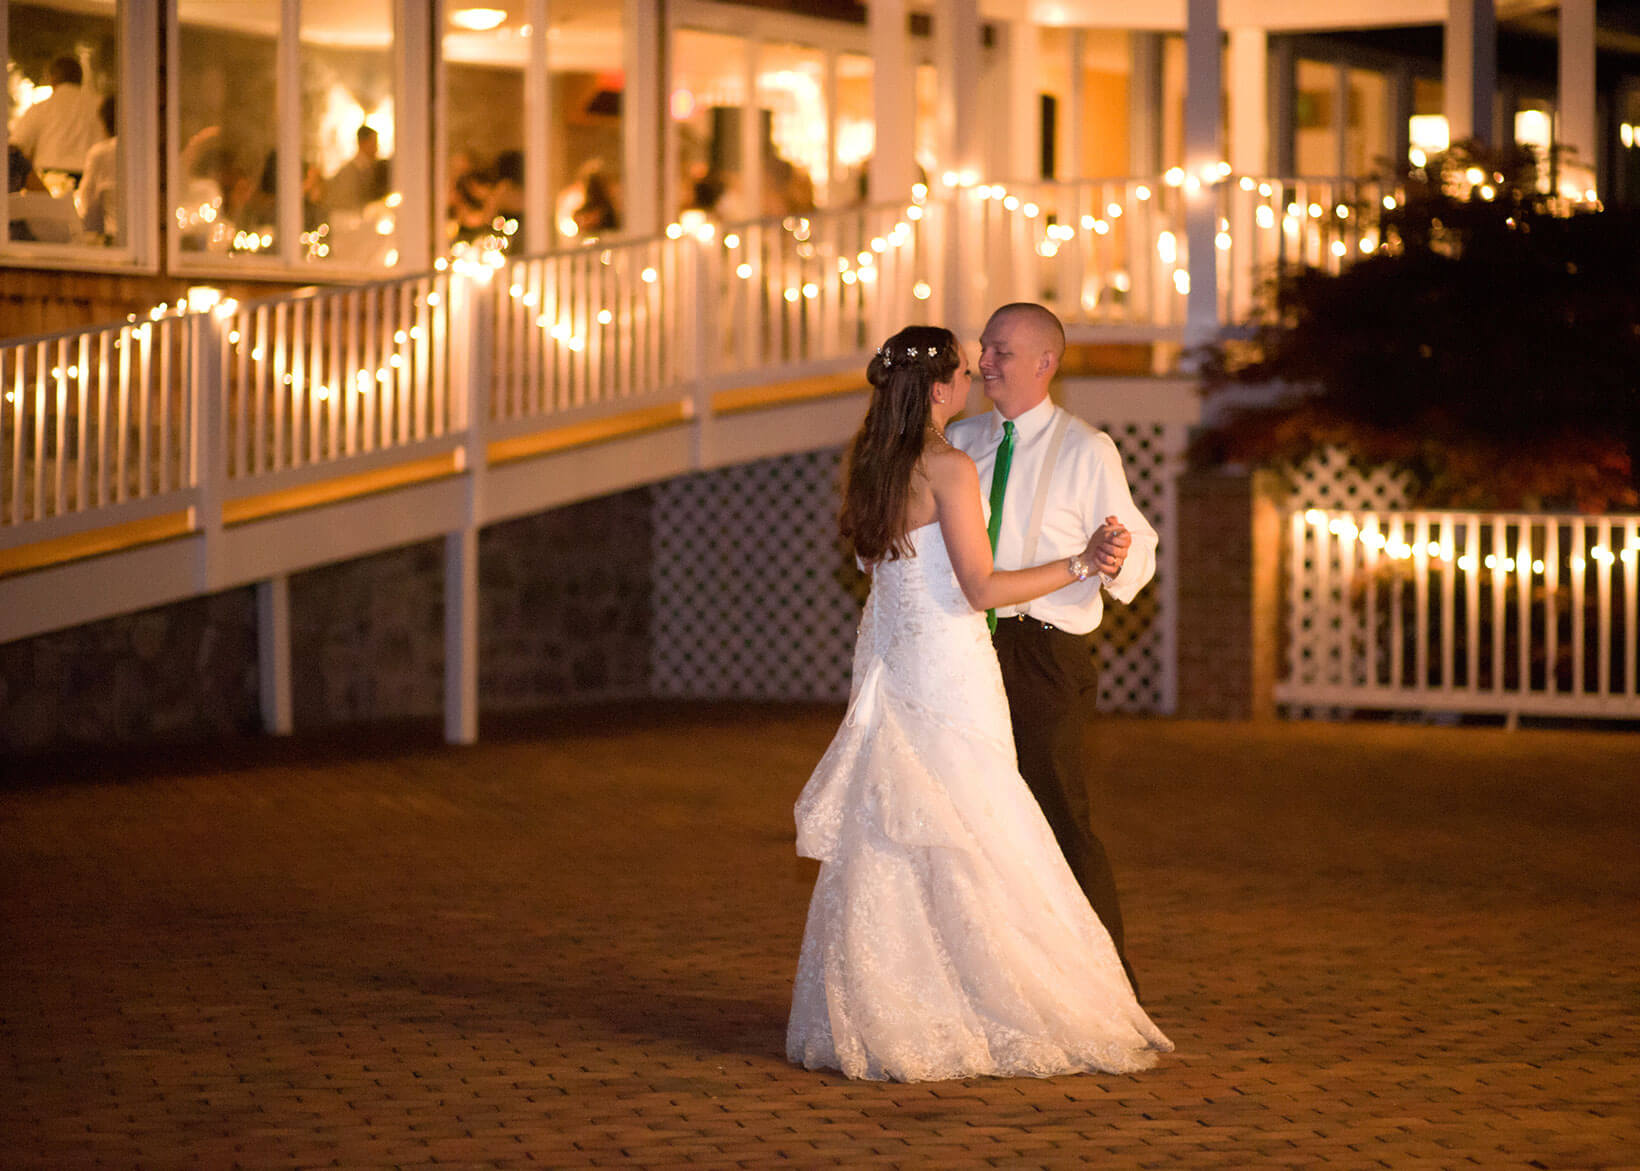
1036 323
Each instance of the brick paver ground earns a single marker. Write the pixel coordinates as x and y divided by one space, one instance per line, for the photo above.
1375 945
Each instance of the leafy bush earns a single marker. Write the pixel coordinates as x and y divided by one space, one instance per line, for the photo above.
1490 346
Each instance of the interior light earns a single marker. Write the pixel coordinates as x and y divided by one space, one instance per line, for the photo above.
478 20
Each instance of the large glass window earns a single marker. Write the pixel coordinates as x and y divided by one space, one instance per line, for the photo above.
283 138
487 180
796 150
585 56
225 185
708 90
348 143
66 181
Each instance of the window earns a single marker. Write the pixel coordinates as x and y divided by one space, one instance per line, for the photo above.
75 197
284 152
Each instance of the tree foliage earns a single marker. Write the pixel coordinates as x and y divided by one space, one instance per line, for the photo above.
1490 346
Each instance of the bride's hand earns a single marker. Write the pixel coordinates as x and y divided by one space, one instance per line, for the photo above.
1108 547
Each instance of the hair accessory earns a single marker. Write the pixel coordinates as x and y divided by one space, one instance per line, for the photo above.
882 352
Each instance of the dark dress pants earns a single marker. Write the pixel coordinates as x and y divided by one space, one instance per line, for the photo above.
1052 681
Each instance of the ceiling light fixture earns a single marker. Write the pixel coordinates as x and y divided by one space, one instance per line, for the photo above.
478 20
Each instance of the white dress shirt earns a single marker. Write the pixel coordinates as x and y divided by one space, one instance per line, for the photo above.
57 133
1088 484
97 198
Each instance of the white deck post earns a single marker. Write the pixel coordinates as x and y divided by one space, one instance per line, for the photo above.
1471 69
273 654
1576 126
1203 107
474 337
208 455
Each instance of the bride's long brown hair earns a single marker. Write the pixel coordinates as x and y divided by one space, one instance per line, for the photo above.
885 452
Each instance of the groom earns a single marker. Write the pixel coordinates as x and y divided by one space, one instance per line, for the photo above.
1053 481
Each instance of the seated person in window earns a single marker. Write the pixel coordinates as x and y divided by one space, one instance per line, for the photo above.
506 202
56 134
597 213
363 179
97 196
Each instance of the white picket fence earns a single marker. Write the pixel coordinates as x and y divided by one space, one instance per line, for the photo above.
1501 613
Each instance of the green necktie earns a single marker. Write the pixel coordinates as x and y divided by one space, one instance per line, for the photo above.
999 488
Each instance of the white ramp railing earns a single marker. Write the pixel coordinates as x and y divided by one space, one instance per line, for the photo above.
189 414
1502 613
95 426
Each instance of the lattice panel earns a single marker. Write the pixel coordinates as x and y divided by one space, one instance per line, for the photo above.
1132 640
1331 479
753 596
755 599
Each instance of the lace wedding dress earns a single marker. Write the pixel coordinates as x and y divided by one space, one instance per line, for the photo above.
946 937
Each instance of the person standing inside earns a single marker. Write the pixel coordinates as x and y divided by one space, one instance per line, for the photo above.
1052 481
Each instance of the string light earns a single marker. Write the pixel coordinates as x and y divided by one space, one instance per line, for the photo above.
1347 531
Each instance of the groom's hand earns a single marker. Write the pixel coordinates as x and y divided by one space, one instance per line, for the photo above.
1111 542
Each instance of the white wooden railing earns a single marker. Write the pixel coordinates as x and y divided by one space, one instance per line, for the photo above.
1114 252
1502 613
96 426
203 406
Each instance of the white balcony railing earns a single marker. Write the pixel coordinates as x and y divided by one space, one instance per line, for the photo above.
1504 613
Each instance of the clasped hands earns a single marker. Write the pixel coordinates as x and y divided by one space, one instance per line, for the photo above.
1108 547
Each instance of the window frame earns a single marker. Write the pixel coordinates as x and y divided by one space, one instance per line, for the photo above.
139 252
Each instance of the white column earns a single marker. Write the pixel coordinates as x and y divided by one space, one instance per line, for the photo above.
893 92
415 226
957 47
1249 95
273 654
542 231
1576 126
288 102
1024 105
641 108
1203 109
1471 69
1072 128
957 54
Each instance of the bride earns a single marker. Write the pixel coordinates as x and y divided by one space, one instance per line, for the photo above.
946 937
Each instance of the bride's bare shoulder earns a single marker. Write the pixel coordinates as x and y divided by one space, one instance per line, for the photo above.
948 465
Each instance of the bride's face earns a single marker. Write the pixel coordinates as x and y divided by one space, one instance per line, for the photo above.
951 398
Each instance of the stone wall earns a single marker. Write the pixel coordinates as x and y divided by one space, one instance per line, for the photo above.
180 672
565 617
1229 595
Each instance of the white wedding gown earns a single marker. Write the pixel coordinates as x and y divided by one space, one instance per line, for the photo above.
946 937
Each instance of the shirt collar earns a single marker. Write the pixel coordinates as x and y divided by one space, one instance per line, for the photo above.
1028 425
